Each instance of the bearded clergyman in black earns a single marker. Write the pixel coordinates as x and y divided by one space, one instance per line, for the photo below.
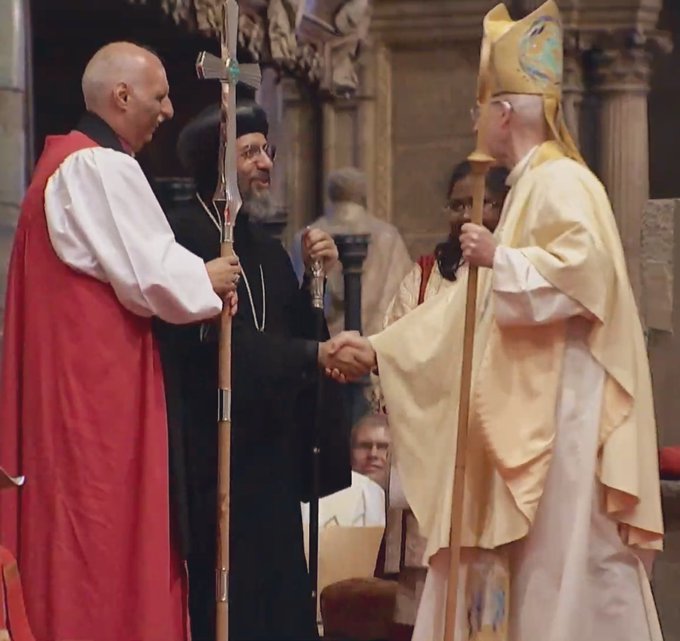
277 360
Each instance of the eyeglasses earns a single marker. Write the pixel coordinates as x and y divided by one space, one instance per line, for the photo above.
461 206
251 152
367 446
475 111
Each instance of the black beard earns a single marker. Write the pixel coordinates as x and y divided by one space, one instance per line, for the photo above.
259 206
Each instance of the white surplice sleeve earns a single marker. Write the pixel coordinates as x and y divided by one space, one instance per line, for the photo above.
104 221
523 297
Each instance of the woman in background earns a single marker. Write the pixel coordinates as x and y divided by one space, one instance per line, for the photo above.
436 272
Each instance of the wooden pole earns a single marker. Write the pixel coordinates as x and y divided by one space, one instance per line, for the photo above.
480 165
224 458
226 203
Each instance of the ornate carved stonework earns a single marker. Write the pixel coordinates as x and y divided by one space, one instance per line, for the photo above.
316 40
573 67
622 64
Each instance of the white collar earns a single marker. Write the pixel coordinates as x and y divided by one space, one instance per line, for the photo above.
520 167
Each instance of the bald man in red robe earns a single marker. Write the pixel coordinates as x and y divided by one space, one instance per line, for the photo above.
82 410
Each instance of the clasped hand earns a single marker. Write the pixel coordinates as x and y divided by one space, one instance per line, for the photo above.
347 357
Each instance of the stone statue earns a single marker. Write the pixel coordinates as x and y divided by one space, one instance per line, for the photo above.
283 17
386 264
204 15
352 20
338 27
251 35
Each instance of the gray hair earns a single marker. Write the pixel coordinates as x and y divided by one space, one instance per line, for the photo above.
113 63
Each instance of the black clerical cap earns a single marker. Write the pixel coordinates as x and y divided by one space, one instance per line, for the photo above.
199 139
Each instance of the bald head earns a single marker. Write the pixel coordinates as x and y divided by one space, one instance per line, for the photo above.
513 125
529 111
126 86
113 64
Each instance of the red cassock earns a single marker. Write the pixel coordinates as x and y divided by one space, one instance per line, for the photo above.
82 415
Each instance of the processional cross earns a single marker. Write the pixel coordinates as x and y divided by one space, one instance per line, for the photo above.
226 203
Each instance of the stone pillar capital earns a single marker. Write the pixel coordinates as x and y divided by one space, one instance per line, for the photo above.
622 59
622 69
352 250
573 63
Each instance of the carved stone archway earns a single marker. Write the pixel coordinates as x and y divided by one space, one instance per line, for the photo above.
317 41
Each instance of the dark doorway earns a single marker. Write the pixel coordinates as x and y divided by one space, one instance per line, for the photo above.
664 124
67 33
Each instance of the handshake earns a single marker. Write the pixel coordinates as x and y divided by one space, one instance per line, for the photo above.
347 357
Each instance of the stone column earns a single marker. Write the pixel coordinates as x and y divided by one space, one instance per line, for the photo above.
14 139
573 87
352 249
341 145
297 174
622 83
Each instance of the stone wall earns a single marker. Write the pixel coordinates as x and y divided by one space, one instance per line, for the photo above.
661 309
666 576
423 68
13 138
431 132
661 312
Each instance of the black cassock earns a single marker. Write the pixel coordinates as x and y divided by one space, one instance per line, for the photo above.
275 378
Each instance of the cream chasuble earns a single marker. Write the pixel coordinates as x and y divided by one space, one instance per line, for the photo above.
558 218
403 544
